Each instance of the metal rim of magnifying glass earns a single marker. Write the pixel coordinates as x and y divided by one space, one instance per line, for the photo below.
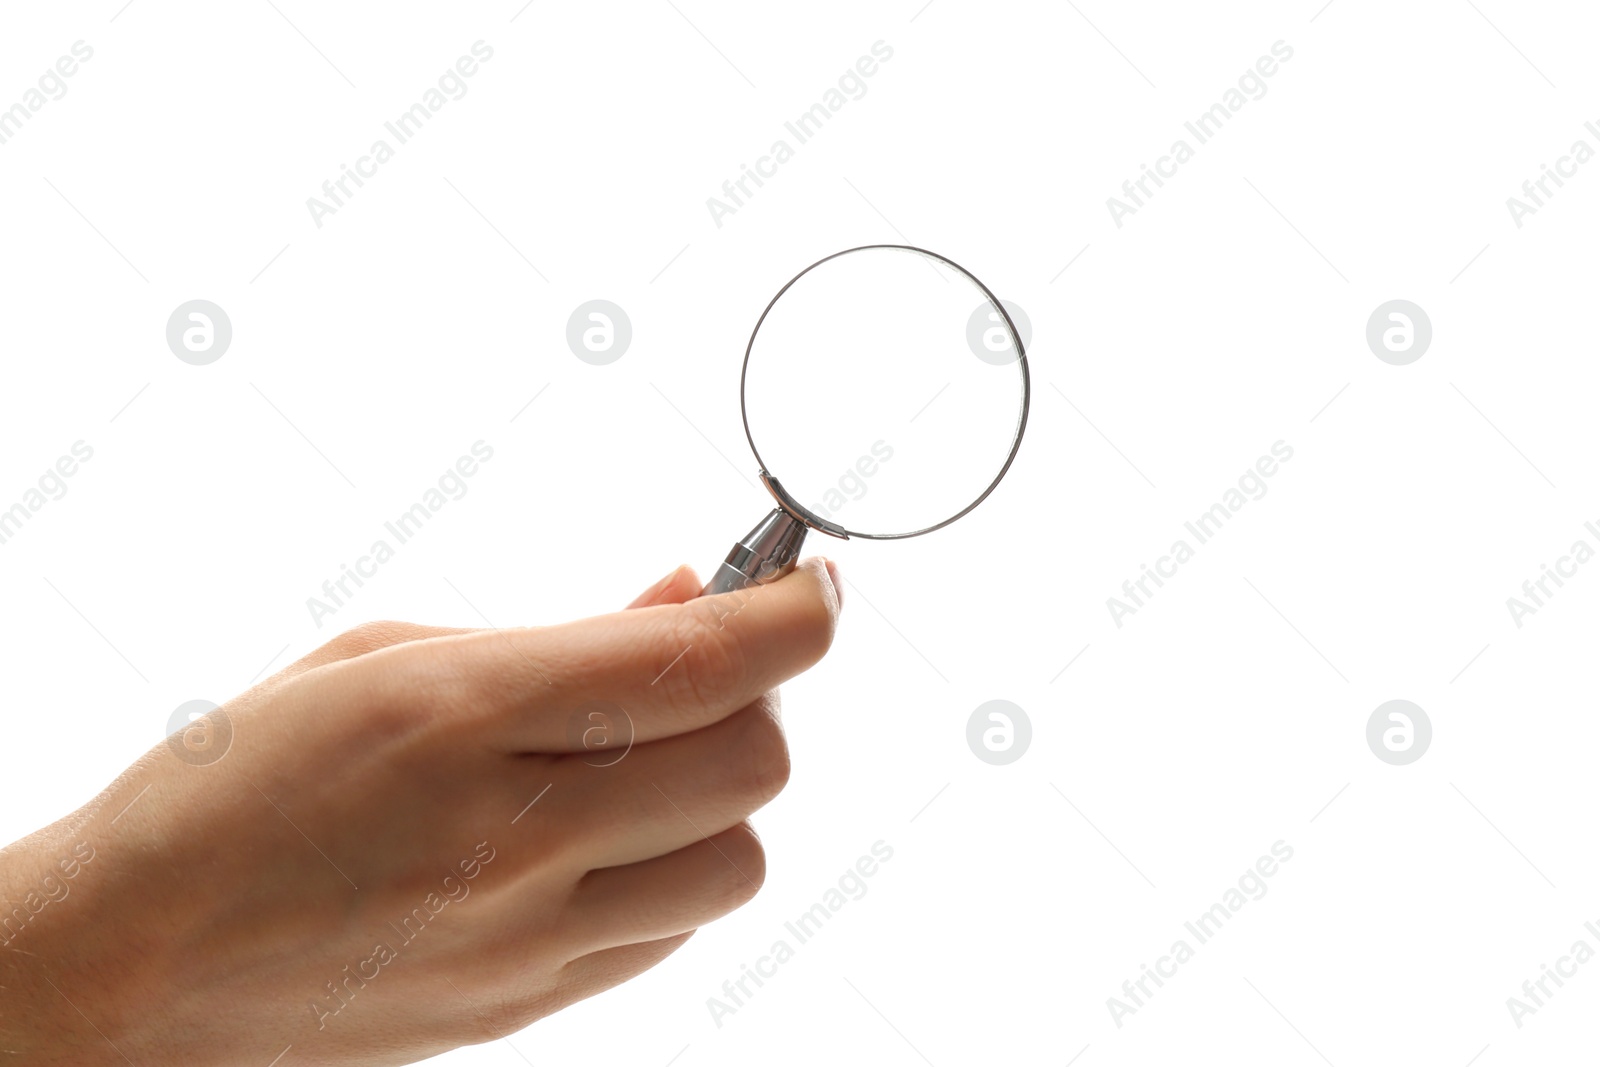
816 522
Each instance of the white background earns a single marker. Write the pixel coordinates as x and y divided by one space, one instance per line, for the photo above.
1227 314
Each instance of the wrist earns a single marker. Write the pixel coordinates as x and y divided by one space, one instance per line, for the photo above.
72 979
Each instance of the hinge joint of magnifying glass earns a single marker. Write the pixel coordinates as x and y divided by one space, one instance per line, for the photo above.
788 504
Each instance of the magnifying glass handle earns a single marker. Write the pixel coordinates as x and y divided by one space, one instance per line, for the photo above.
763 555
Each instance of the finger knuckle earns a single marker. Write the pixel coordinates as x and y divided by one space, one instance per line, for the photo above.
503 1016
735 879
764 755
405 691
745 849
705 660
368 637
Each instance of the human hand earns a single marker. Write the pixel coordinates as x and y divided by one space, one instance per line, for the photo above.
406 846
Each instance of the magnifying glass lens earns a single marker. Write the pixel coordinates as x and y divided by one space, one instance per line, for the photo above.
882 389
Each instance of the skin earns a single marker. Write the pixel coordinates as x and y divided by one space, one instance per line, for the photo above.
444 793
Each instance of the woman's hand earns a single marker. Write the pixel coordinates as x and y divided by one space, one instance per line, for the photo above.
413 838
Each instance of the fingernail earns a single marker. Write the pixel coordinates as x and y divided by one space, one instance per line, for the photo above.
833 576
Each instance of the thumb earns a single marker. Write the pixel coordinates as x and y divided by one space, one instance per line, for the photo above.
679 587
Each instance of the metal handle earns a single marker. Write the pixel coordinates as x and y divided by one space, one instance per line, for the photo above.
763 555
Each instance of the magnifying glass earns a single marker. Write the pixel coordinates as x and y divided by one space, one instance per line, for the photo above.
885 392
